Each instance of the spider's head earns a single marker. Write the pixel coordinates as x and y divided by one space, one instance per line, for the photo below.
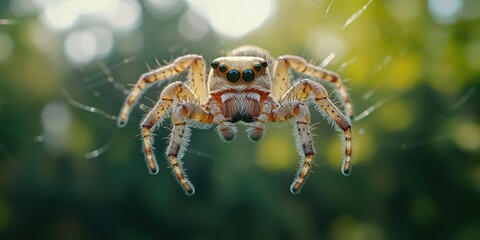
239 71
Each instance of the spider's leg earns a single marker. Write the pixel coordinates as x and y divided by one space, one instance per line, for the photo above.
180 64
180 137
280 78
302 66
174 92
198 80
303 138
302 91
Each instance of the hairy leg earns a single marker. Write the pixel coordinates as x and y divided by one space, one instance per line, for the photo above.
176 91
196 81
180 137
299 111
300 65
305 89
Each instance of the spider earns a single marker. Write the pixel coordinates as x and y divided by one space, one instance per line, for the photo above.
249 86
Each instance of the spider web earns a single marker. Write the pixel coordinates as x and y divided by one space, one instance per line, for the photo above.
104 76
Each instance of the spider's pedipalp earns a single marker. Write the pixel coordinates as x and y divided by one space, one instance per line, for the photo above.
257 129
226 130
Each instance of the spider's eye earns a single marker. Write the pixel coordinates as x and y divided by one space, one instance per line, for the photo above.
214 64
257 67
222 68
264 64
248 75
233 75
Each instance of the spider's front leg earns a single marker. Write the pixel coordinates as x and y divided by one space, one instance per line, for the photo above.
306 89
174 92
196 80
303 138
293 106
179 137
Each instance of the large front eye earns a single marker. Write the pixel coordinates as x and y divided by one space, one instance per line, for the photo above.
248 75
233 75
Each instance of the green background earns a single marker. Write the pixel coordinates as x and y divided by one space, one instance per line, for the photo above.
416 172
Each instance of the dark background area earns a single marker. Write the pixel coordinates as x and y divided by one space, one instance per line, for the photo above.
412 69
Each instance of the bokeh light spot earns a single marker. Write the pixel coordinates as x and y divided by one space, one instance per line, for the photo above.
44 40
124 15
396 115
80 47
445 11
83 46
346 227
275 151
192 27
59 15
233 19
322 43
56 120
405 10
403 72
104 40
467 136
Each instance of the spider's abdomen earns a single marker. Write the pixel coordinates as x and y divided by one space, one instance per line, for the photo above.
241 106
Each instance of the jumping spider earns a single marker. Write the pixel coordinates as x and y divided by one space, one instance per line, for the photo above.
247 85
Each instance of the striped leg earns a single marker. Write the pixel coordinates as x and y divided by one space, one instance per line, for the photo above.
302 91
280 78
173 92
303 138
302 66
196 81
179 139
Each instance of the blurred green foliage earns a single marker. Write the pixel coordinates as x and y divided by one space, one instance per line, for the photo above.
416 157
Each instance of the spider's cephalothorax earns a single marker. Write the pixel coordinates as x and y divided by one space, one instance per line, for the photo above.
245 86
